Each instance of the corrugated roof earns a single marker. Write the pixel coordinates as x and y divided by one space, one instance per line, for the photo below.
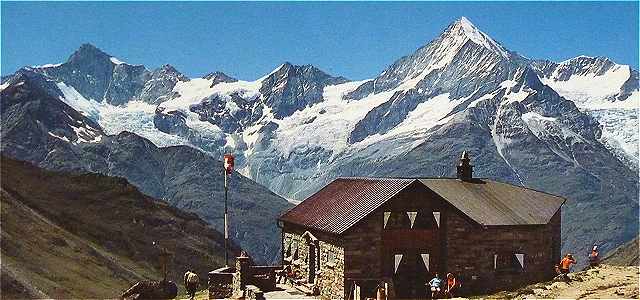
495 203
344 202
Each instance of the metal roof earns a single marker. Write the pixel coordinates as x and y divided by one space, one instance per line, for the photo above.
346 201
495 203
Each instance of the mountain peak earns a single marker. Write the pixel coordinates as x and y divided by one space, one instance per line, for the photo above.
464 28
218 77
90 49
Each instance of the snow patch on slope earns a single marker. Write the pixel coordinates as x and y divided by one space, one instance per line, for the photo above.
116 61
413 129
544 127
47 66
594 92
134 116
326 124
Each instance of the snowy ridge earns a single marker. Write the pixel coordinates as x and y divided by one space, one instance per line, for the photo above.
47 66
480 38
116 61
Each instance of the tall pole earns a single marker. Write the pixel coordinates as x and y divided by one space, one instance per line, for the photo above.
226 224
228 169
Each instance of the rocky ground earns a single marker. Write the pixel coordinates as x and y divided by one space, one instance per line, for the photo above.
605 282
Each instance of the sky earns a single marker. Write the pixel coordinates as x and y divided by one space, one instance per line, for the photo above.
353 39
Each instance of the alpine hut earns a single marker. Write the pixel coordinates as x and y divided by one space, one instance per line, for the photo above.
357 234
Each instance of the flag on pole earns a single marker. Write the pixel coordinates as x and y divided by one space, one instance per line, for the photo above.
228 163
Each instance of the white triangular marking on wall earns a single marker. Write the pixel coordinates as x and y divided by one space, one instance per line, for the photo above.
520 258
356 291
495 261
397 259
425 259
412 216
387 214
436 215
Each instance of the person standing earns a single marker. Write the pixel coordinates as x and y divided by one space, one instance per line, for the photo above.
191 281
436 286
594 257
452 284
565 265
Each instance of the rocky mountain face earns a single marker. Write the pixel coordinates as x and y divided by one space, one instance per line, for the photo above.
291 88
63 233
565 128
160 84
38 127
100 76
606 91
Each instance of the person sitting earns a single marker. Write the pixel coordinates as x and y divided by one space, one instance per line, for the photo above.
452 284
436 286
565 265
594 257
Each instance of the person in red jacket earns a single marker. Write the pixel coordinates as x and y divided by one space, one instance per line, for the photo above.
594 257
452 284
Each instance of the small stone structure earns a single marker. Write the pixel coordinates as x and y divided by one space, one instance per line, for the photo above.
221 283
244 280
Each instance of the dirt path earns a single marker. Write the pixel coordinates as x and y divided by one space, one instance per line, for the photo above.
605 282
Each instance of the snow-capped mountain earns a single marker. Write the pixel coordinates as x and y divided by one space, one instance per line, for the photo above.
556 127
605 90
40 127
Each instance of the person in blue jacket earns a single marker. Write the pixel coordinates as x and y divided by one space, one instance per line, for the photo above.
436 286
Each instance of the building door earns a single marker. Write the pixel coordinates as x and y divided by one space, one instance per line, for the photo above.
312 262
411 274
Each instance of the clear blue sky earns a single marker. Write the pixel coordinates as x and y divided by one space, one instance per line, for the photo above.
353 39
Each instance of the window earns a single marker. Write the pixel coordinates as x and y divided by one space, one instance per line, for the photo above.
398 220
412 219
509 262
427 220
331 259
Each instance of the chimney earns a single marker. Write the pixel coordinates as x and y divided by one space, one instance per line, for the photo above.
465 169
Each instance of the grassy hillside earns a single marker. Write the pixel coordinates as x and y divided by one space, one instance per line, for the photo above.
91 236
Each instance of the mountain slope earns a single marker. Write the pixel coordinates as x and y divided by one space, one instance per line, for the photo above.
627 254
40 128
91 236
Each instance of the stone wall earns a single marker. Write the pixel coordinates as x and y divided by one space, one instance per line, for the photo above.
329 255
221 283
471 251
331 279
